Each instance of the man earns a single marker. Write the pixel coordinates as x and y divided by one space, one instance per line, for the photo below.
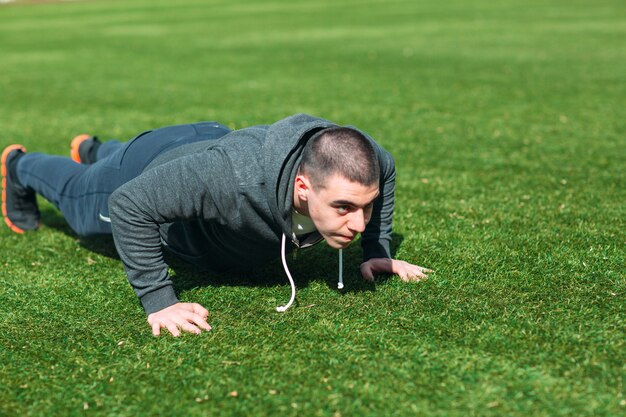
217 198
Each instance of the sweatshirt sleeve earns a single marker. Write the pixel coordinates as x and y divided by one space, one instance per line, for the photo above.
376 238
182 189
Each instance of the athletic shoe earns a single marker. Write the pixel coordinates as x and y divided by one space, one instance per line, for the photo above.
83 149
19 204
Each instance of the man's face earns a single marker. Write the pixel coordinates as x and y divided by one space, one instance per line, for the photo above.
340 210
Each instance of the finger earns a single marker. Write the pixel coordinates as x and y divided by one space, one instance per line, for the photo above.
172 328
419 273
189 328
414 269
198 309
195 319
156 328
409 278
203 324
366 273
190 319
198 320
426 270
412 276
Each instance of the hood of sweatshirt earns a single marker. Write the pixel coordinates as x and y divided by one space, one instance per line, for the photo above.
287 137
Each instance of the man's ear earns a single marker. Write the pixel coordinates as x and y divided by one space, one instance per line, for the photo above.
302 187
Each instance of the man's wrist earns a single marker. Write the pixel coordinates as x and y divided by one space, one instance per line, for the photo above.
159 299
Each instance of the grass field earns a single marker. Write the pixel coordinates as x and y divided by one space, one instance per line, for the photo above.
507 123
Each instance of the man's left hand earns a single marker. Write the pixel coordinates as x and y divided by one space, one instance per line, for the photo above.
408 272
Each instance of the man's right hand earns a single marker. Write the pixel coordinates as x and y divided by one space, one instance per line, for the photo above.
188 317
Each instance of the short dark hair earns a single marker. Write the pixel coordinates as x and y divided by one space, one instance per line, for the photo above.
343 151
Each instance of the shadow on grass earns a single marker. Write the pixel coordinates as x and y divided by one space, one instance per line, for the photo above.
319 263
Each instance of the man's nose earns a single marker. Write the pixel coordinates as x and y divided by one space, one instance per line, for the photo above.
357 221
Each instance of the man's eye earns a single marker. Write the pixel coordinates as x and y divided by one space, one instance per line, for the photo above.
343 209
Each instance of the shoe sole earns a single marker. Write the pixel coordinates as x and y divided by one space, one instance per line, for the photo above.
5 155
75 145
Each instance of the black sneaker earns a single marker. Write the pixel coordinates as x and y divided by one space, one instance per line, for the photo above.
83 149
19 204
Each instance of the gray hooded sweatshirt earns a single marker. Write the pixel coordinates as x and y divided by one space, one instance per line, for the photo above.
224 205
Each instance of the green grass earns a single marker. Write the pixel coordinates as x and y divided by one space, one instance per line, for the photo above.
507 123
